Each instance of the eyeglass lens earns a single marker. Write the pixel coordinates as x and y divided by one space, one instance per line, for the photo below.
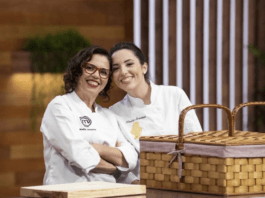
90 69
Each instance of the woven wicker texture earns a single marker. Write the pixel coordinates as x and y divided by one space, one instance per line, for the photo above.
213 138
205 174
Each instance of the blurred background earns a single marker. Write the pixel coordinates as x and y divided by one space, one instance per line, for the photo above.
213 49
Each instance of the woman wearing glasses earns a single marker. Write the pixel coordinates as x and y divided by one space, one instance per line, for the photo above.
80 137
147 109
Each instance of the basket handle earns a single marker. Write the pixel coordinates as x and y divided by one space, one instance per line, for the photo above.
185 111
236 109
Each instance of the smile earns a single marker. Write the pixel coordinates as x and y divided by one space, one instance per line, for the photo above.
126 80
92 83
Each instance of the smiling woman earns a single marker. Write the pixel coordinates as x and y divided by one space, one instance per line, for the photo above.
77 146
91 83
128 72
147 109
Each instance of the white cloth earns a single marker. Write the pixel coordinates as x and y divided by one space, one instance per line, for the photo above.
161 117
69 127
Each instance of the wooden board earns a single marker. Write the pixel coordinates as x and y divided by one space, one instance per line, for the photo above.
85 189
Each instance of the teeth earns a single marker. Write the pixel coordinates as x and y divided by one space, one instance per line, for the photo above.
93 83
128 79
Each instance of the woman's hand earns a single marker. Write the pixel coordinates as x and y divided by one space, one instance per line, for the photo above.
111 155
104 167
136 182
98 147
118 144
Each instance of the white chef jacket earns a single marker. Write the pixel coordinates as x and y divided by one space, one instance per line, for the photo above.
161 117
69 127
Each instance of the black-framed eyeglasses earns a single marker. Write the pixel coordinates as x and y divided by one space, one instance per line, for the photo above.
91 69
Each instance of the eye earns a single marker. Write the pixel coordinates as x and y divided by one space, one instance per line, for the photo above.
104 72
90 67
129 64
115 68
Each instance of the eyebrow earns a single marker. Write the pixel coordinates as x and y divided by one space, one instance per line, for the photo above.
124 62
87 63
128 60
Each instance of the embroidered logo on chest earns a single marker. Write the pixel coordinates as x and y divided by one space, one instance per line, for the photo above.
136 130
86 121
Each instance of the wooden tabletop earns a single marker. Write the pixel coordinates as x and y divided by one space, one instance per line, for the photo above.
154 193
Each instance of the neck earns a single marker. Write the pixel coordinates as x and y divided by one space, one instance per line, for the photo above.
143 91
89 99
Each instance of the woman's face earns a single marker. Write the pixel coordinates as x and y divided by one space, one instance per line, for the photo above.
93 84
128 73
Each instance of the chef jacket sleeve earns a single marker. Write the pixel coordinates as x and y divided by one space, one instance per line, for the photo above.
191 121
129 177
129 153
59 127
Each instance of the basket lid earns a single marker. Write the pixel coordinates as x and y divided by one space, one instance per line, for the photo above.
213 138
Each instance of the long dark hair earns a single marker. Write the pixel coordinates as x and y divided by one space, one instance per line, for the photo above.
137 52
74 69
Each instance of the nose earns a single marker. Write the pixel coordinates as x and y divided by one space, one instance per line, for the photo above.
96 73
123 70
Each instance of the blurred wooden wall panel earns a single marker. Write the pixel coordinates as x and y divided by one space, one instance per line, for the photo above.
71 6
20 138
199 58
4 153
116 94
16 124
128 20
172 42
5 58
212 62
159 42
7 179
10 191
145 28
26 151
12 44
261 45
53 18
21 165
107 43
14 112
252 39
89 32
226 58
6 69
186 47
238 60
31 178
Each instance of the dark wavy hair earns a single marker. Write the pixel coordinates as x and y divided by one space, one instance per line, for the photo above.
137 52
74 69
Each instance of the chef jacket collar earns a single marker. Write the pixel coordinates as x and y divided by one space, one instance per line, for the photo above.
139 102
82 103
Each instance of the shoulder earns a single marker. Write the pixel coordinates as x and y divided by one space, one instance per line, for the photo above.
169 89
107 115
103 110
61 101
124 103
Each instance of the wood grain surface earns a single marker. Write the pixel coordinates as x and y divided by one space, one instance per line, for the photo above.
85 189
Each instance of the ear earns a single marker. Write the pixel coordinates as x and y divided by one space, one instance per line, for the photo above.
145 67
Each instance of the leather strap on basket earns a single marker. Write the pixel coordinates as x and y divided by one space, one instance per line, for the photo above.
185 111
236 109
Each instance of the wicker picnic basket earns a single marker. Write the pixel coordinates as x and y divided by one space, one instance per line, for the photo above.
225 162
